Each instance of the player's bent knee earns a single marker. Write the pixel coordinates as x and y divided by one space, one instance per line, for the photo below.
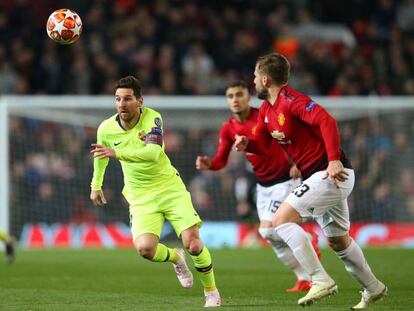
191 240
146 247
147 252
339 243
194 247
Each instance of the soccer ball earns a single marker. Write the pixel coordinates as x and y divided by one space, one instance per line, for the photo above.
64 26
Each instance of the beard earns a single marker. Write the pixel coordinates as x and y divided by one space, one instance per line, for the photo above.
123 117
262 93
126 118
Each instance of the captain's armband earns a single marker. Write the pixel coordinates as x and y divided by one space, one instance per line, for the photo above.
154 137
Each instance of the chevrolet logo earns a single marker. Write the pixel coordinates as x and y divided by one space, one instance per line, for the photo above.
278 135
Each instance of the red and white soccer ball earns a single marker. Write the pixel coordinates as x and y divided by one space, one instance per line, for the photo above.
64 26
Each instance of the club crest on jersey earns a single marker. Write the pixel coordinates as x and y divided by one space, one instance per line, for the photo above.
278 135
141 135
158 122
281 119
310 106
266 120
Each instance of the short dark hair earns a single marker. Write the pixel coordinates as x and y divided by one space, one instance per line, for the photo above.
276 66
237 83
130 82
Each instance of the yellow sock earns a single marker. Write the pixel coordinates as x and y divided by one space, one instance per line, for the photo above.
204 268
165 254
4 236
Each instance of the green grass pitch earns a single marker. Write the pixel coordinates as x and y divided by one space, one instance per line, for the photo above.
247 279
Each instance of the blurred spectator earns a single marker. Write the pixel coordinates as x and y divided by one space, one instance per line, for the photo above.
46 207
197 67
357 48
383 203
8 78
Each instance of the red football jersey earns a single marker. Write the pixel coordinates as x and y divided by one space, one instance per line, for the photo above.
274 165
307 132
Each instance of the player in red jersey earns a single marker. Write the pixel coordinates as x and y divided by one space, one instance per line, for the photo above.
275 175
311 138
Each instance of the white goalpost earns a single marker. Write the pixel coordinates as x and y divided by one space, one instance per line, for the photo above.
4 167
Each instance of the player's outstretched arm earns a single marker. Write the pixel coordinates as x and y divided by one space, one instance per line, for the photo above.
203 163
311 113
98 198
225 144
101 152
241 142
150 153
99 167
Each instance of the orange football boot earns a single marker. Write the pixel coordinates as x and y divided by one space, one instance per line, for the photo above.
300 285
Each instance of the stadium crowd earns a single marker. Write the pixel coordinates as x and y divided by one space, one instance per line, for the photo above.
195 47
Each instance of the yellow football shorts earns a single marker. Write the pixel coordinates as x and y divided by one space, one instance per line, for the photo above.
148 213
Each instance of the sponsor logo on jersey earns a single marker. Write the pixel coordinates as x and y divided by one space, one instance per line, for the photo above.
116 144
281 137
278 135
266 120
141 135
281 119
284 142
310 106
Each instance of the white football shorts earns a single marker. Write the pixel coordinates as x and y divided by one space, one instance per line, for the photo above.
318 199
270 198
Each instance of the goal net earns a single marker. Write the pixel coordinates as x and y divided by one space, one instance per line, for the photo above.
45 143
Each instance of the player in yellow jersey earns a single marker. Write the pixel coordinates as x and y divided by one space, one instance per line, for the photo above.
153 187
9 243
